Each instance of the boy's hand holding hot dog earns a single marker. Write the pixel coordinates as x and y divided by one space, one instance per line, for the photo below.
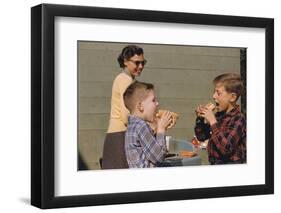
174 117
207 113
163 122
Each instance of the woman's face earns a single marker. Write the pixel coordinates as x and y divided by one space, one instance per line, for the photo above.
135 65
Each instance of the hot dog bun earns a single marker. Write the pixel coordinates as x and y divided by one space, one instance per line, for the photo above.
175 116
210 106
160 113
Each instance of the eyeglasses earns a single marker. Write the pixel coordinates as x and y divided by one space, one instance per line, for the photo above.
137 63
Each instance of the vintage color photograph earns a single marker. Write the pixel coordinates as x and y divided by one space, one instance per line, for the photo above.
160 109
154 105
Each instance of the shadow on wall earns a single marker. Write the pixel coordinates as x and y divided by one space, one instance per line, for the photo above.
81 164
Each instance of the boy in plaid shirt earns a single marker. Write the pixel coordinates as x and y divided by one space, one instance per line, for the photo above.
227 142
143 149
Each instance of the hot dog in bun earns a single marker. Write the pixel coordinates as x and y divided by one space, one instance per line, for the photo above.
175 116
210 106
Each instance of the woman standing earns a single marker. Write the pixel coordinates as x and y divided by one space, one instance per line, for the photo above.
132 62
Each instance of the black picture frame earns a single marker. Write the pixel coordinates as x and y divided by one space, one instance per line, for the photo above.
43 105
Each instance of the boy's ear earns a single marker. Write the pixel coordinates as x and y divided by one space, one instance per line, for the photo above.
233 97
140 106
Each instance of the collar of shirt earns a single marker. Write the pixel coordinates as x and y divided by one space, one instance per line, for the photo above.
133 119
231 113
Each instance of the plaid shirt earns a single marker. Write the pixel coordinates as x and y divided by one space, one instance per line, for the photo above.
228 139
142 148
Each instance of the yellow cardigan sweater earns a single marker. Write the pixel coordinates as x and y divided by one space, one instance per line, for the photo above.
119 113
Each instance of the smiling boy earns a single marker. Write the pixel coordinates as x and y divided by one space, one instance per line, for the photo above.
142 148
227 143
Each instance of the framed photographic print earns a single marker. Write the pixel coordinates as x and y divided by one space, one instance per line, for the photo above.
78 52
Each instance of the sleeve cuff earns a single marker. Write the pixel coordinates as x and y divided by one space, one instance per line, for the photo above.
215 128
160 136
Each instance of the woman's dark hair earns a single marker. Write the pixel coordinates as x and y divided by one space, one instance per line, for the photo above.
128 52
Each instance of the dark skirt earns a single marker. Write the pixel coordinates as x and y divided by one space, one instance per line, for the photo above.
114 156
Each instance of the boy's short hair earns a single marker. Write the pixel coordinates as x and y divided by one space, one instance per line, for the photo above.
231 82
135 93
